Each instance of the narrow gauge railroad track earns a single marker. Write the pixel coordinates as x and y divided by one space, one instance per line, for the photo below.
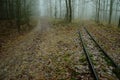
106 57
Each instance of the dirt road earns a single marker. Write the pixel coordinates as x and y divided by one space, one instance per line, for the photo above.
46 53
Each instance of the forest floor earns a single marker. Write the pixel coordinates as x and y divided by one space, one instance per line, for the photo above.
52 52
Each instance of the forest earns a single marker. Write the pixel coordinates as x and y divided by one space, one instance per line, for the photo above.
59 39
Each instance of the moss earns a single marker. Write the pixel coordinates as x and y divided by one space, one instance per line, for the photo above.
82 59
73 79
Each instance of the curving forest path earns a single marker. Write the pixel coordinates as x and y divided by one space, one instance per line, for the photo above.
44 53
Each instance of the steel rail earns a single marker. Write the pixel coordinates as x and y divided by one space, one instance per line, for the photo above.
103 51
106 55
91 66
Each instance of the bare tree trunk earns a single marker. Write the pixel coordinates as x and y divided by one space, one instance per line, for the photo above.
78 8
73 9
98 13
55 9
116 10
83 9
119 23
7 9
50 4
70 11
67 10
60 9
104 10
111 9
18 3
96 18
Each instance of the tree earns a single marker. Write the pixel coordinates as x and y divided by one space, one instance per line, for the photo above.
73 9
119 23
117 6
79 8
60 8
68 10
104 10
83 9
55 9
98 11
111 10
18 11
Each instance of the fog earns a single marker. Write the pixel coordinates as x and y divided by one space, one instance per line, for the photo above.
59 39
102 11
81 9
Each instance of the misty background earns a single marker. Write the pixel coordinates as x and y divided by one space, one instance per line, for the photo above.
103 11
81 9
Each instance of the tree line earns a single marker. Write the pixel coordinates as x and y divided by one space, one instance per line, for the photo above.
103 11
17 10
107 11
